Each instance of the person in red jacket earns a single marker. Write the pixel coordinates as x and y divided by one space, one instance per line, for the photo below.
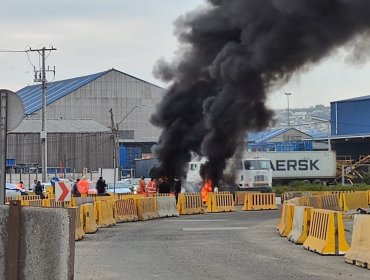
152 187
142 186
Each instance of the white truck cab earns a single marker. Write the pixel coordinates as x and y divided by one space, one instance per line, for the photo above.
252 174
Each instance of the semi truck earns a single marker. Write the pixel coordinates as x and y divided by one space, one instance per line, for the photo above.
251 174
317 167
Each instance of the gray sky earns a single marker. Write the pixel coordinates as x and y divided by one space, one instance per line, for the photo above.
130 35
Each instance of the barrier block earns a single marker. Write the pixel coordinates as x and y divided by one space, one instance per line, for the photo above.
368 197
77 201
240 197
331 202
89 222
104 214
301 224
299 201
326 235
315 201
79 232
259 201
190 204
167 206
359 253
105 197
220 202
35 202
286 221
354 200
125 210
147 208
28 197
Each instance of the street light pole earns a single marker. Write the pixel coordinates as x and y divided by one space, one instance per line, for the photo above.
328 129
288 94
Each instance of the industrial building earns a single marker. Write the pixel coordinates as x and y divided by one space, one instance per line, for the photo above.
350 127
131 101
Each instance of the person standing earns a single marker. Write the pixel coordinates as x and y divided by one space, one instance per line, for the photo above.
164 186
101 186
32 188
20 185
75 191
152 187
83 186
38 190
142 186
177 187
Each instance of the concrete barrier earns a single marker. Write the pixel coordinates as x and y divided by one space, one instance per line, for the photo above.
301 224
77 201
167 206
359 253
125 210
147 208
354 200
286 221
44 238
220 202
89 221
326 235
259 201
190 204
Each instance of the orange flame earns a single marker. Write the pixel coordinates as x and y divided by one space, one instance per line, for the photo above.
207 187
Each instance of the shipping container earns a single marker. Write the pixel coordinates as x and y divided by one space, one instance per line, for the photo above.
316 166
143 166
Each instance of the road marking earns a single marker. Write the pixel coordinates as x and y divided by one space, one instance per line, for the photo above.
220 220
214 228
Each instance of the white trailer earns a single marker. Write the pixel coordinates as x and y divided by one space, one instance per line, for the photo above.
314 166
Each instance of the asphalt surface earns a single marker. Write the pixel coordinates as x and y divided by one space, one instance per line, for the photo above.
237 245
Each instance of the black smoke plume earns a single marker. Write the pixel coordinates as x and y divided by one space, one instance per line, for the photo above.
232 52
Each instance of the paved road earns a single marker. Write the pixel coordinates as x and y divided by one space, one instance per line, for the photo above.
239 245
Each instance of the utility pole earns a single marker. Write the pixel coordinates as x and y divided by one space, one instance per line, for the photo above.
40 77
115 147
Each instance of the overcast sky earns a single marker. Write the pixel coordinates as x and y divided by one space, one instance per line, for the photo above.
130 35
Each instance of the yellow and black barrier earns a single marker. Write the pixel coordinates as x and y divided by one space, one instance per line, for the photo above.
359 253
125 210
147 208
220 202
104 213
354 200
286 221
301 224
259 201
326 235
190 203
89 220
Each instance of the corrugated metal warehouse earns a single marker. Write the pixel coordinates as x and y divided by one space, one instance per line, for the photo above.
350 127
91 97
71 143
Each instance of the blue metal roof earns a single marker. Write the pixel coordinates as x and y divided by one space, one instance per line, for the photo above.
360 98
31 95
263 136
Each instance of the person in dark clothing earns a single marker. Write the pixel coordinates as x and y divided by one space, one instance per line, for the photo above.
38 190
100 186
177 187
75 191
164 186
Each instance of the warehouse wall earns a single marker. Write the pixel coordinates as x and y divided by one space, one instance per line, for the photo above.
114 90
74 150
350 117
